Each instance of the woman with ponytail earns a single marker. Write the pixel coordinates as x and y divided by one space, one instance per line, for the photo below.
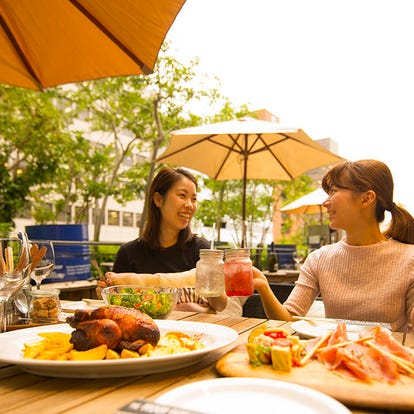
369 274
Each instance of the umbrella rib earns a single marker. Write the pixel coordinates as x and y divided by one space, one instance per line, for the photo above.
268 148
230 150
208 138
287 137
145 69
22 56
161 157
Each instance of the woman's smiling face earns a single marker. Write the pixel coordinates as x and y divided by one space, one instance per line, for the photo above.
179 204
342 207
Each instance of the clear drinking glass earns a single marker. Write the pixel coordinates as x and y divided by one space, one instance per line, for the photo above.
14 261
209 280
42 256
238 273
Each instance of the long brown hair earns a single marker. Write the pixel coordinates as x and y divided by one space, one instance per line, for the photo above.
161 184
364 175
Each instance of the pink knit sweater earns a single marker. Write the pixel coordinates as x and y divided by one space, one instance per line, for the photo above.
372 283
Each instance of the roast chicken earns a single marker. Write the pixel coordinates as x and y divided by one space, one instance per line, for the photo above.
116 326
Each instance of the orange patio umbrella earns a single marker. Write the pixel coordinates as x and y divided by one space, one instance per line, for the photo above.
246 148
310 203
46 43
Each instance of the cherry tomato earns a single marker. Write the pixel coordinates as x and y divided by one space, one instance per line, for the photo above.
275 334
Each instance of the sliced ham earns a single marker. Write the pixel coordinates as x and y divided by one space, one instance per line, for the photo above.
369 364
384 339
359 361
340 335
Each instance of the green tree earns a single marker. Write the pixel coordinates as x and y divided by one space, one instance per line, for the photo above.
289 192
33 139
133 117
263 199
53 201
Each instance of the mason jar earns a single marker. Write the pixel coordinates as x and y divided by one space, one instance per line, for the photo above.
238 273
44 306
209 279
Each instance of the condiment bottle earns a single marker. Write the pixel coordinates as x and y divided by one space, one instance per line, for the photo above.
238 273
209 280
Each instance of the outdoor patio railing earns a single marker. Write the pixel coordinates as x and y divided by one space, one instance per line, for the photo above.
79 255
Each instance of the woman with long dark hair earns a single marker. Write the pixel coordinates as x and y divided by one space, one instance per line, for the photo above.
167 244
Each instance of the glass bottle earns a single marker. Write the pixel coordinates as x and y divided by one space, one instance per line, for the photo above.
273 264
209 279
238 273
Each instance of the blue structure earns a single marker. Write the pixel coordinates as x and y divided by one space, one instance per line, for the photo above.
284 254
71 262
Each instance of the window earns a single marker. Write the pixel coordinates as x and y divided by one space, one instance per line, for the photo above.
113 218
127 219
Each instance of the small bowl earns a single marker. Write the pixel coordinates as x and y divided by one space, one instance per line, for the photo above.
155 301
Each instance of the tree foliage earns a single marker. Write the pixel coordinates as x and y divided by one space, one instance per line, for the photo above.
33 140
80 145
263 200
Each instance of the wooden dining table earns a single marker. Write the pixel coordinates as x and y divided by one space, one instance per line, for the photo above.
23 392
282 276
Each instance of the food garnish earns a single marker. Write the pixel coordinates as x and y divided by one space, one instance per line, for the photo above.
274 346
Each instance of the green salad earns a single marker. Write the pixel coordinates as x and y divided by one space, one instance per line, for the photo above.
149 301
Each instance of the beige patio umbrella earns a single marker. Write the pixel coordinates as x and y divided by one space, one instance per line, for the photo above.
244 149
308 204
46 43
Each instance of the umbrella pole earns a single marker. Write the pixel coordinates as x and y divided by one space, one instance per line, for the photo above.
243 241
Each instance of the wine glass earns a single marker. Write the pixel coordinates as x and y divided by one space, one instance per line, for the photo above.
14 261
42 254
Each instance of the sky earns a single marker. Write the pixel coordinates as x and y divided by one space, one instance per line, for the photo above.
341 69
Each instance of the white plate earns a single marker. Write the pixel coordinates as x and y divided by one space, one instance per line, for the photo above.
315 329
214 338
248 395
72 306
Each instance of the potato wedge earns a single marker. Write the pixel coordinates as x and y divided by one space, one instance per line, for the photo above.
126 353
54 353
111 354
96 353
33 350
56 337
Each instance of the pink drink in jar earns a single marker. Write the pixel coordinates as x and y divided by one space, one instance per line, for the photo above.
238 273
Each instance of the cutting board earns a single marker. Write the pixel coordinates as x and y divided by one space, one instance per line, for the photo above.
314 375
